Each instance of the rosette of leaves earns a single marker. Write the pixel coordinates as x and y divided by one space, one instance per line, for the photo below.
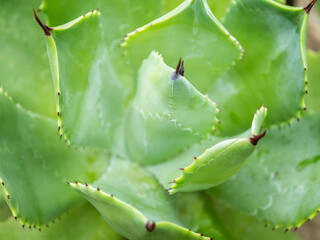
129 124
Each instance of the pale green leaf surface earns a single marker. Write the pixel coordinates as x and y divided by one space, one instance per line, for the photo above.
215 161
213 218
191 32
81 223
128 197
5 212
34 165
25 71
166 115
90 98
280 182
272 72
312 99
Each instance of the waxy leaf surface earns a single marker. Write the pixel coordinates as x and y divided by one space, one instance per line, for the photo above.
34 165
273 70
283 170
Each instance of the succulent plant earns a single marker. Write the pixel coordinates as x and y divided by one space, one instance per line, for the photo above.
129 126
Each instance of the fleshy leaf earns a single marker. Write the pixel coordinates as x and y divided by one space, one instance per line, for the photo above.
220 162
25 71
258 120
312 99
211 217
273 71
90 99
134 204
81 223
192 32
34 165
168 113
274 183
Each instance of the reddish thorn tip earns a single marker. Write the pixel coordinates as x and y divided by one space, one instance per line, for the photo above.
44 27
8 197
309 7
195 158
150 226
58 93
15 218
201 234
58 113
255 139
98 189
181 169
179 71
86 184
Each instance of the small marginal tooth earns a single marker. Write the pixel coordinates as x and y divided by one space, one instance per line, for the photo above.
98 189
8 196
111 195
201 234
44 27
68 183
60 136
150 226
15 218
23 226
58 93
30 227
58 113
75 181
39 229
59 128
86 184
305 109
286 230
2 183
195 158
181 169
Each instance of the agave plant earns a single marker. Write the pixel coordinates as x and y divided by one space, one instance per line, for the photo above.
127 142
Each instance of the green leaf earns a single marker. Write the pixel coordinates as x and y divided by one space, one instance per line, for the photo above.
167 114
210 162
25 71
85 83
280 182
213 218
134 204
272 72
34 165
192 32
312 99
81 223
5 212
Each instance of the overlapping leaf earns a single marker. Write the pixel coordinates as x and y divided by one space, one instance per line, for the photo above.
280 181
34 165
273 71
81 223
215 160
192 32
167 114
134 204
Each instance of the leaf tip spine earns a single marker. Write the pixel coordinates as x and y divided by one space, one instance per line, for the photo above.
44 27
255 139
309 6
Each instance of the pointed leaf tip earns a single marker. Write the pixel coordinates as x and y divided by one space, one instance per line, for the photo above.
255 139
45 28
309 7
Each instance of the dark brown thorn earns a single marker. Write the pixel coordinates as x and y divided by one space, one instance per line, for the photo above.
8 197
306 91
68 183
318 211
305 109
178 67
15 218
201 234
308 220
59 128
181 71
2 183
150 226
58 113
58 93
75 181
45 28
111 195
34 226
23 226
60 136
181 169
211 238
98 189
30 227
195 158
309 7
305 69
189 230
255 139
286 230
86 184
295 229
